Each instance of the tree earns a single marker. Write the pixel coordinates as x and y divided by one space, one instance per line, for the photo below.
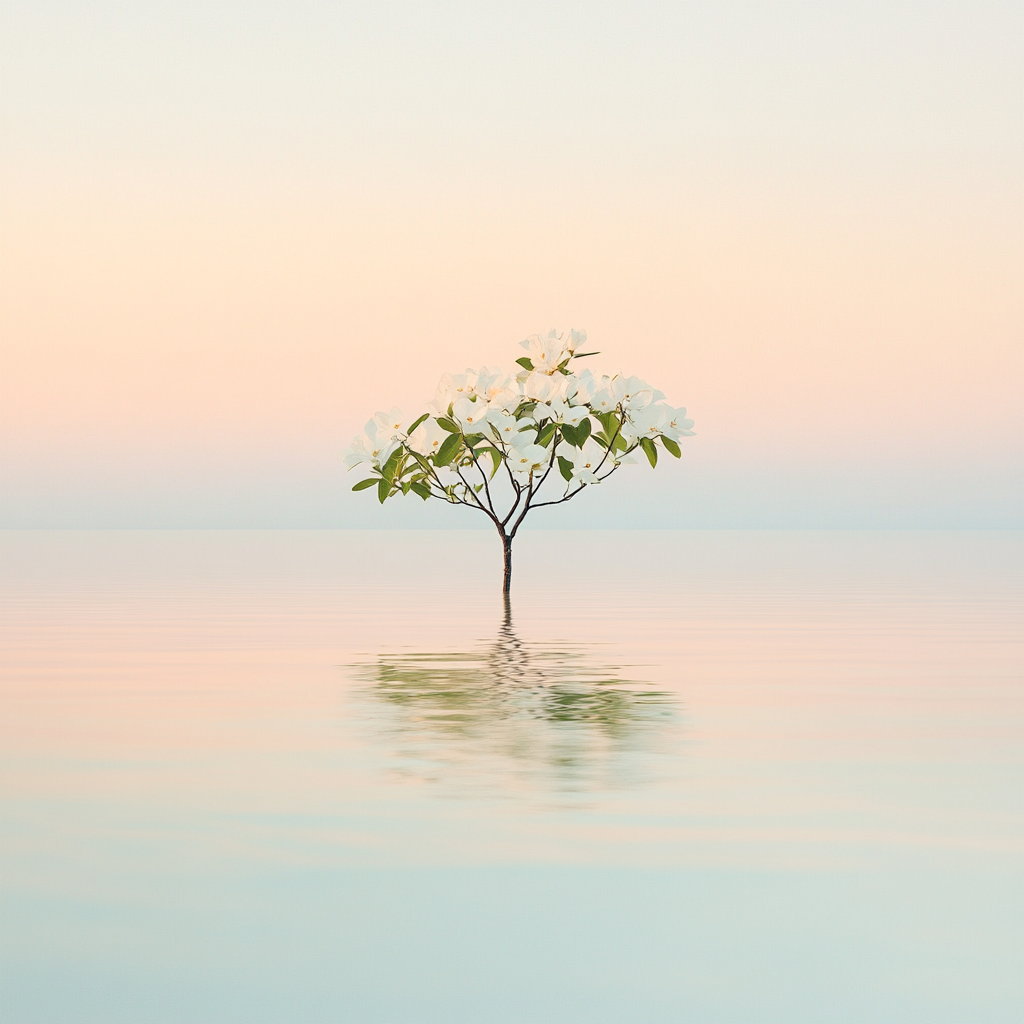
492 442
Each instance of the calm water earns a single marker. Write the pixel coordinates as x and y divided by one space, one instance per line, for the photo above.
312 777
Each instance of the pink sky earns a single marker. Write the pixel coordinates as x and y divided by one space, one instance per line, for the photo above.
227 241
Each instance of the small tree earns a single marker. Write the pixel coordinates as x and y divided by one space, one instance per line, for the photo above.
492 442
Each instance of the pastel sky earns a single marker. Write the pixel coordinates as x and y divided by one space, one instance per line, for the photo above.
231 232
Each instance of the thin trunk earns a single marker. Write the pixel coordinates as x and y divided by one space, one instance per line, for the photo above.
506 543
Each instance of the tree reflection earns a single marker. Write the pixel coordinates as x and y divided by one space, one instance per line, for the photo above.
512 711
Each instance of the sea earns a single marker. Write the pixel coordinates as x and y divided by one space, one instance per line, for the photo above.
679 776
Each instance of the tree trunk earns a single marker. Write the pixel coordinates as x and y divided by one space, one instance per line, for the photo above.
506 543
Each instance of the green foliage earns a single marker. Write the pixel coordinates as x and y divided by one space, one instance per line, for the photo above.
390 468
525 362
420 488
416 423
582 431
363 484
545 435
569 433
649 450
564 467
671 447
496 458
383 489
448 424
448 450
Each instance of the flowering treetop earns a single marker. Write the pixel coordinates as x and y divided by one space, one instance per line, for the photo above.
504 445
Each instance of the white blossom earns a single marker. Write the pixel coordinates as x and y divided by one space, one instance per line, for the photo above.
571 414
428 437
505 401
549 352
582 387
678 425
369 447
470 415
450 388
648 421
389 424
506 426
585 462
524 455
543 387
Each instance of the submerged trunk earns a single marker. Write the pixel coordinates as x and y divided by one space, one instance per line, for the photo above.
506 542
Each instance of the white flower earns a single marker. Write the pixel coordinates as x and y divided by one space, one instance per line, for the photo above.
629 431
571 414
635 393
451 388
605 400
464 384
678 425
582 388
369 447
649 421
660 419
560 412
524 456
470 415
389 424
505 401
491 383
548 353
508 427
585 461
541 387
428 437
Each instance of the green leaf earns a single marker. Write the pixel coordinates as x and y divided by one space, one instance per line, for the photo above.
405 486
671 447
582 431
545 435
363 484
610 422
390 467
602 439
416 423
448 450
569 433
649 450
496 458
450 425
424 465
525 362
565 468
383 489
421 489
583 355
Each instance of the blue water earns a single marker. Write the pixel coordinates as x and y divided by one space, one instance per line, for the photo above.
690 776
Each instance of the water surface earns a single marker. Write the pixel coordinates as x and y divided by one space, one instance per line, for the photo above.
328 776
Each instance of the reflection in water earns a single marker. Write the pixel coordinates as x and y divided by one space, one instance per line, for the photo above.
512 712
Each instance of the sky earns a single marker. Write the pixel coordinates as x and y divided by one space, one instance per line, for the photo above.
232 232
